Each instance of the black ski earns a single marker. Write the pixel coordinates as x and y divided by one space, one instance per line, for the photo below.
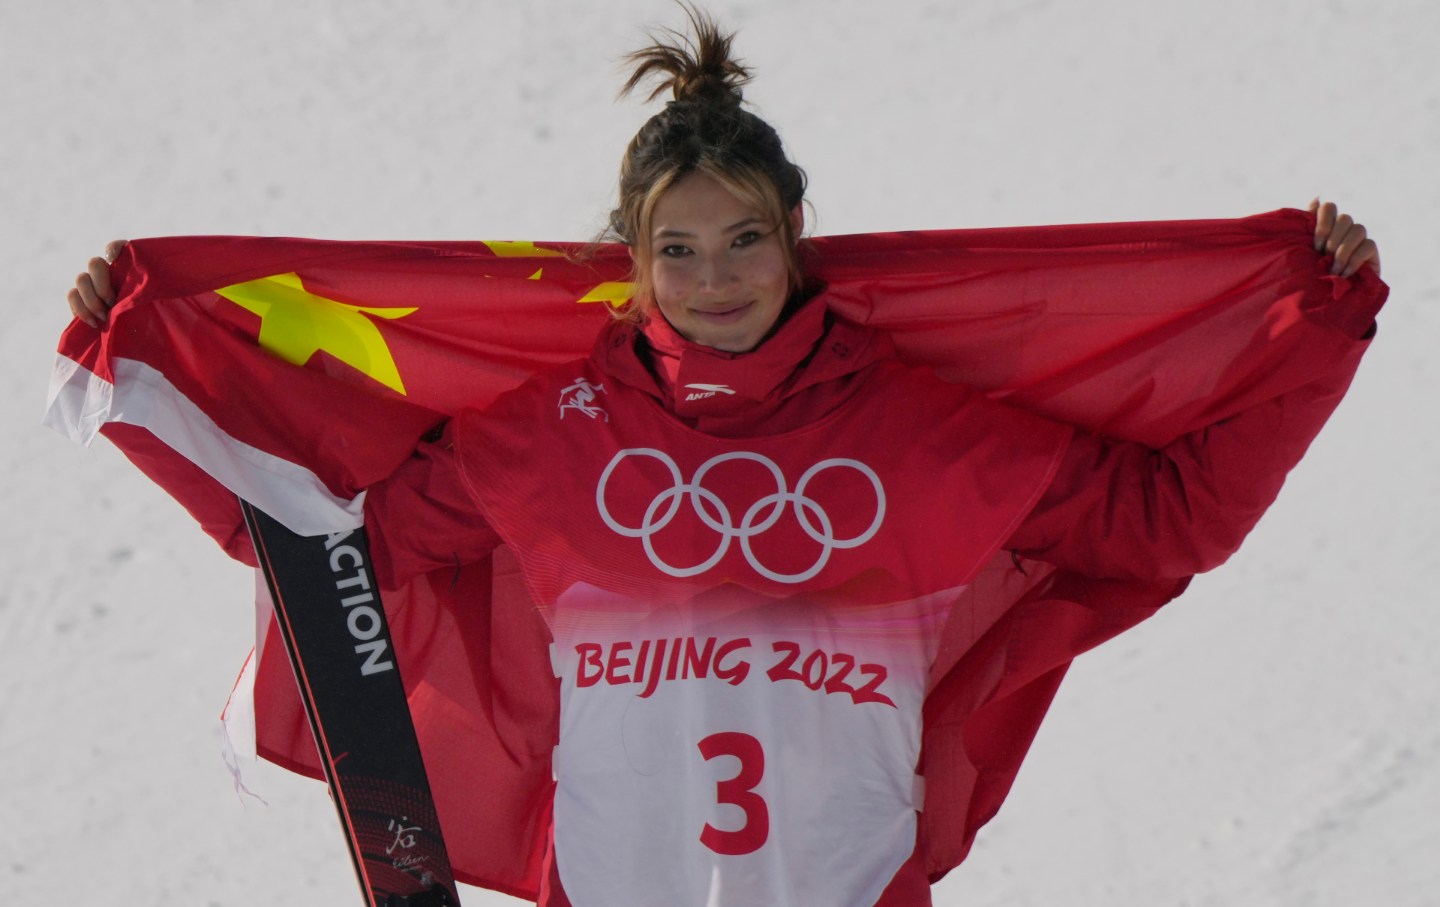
329 612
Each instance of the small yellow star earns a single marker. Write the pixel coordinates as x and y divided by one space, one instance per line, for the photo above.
507 249
615 292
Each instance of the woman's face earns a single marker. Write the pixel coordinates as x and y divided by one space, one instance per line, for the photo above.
719 271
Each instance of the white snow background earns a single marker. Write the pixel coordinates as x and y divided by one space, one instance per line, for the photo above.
1272 738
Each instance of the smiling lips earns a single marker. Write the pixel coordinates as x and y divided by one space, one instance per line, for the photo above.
722 316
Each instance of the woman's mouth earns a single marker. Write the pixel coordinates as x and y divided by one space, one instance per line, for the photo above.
725 315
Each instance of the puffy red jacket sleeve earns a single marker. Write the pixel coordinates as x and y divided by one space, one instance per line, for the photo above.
422 518
1118 509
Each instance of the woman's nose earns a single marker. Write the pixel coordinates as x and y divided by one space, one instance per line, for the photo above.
716 273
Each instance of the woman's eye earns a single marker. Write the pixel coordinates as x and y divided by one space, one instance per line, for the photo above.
675 251
747 238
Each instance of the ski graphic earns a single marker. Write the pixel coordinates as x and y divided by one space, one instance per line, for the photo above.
329 612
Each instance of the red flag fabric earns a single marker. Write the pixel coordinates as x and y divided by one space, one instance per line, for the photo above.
295 373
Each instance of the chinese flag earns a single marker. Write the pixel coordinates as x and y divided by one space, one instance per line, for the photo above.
294 373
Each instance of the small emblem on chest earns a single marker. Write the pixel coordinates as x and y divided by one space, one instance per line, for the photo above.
701 391
710 512
581 397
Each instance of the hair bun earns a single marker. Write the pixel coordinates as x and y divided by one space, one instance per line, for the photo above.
696 69
704 129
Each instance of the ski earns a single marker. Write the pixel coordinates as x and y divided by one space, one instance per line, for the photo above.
328 608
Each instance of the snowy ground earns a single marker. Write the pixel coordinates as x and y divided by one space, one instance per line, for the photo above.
1272 739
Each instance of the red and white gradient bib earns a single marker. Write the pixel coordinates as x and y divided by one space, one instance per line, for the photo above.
744 627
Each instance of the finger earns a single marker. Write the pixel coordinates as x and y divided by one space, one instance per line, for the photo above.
1337 233
86 288
85 304
77 308
114 248
1345 248
99 270
1365 252
1324 223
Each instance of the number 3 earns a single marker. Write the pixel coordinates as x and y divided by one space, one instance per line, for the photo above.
739 791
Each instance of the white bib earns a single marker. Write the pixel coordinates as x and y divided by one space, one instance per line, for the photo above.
739 751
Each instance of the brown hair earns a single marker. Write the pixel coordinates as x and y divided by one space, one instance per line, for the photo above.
704 129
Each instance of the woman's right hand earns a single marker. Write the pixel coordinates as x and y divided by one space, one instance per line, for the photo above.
94 294
1337 234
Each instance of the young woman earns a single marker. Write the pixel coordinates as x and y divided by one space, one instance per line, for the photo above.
749 538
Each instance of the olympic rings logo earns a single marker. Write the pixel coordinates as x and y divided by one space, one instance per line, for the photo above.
760 517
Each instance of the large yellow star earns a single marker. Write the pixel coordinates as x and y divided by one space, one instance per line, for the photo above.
295 324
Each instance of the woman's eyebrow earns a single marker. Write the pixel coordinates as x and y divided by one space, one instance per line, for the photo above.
669 233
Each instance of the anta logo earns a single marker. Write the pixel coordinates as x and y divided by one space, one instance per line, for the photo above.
701 391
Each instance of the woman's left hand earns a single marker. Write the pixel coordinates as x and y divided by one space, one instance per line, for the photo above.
1337 234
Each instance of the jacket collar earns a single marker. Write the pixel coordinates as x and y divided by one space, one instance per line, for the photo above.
698 382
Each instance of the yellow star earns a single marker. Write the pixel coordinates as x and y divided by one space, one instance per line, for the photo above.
507 249
615 292
295 324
